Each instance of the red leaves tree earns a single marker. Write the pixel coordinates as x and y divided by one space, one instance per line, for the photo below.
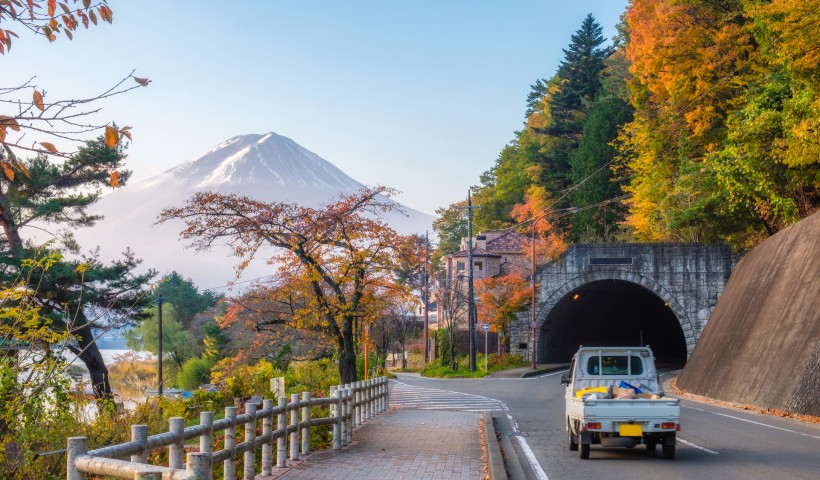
339 257
499 299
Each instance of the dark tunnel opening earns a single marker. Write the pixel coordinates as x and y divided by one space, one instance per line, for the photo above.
611 312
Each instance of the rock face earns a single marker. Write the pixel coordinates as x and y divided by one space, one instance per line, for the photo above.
761 346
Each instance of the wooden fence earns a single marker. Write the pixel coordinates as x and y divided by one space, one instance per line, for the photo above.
350 405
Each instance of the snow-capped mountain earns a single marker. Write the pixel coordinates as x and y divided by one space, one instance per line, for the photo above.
266 167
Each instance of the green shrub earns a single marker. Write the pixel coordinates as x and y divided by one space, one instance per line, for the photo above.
194 372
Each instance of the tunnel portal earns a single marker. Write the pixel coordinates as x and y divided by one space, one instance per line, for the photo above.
611 312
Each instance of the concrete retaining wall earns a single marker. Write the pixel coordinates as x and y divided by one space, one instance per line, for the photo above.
761 345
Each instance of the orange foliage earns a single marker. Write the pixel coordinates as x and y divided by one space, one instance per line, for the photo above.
549 243
499 299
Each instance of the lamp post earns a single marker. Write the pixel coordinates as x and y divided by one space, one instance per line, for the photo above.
532 278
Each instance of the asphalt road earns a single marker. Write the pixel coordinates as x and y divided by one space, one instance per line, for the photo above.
714 442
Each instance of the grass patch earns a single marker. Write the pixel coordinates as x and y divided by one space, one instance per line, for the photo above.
495 363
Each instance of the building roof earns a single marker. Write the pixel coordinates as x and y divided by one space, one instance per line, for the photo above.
506 242
477 252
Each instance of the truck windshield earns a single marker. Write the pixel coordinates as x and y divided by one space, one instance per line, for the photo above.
615 365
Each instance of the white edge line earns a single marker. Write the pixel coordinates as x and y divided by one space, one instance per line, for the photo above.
697 446
766 425
550 374
525 447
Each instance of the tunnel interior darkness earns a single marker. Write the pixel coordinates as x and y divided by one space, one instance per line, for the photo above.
615 313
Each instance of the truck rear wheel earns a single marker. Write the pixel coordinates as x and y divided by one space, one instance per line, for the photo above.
583 450
669 451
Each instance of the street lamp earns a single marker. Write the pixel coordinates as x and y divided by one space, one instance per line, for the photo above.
159 345
532 278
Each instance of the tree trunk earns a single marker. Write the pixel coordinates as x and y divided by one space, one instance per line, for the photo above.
347 353
90 355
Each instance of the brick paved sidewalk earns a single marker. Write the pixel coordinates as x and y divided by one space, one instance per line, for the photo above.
404 444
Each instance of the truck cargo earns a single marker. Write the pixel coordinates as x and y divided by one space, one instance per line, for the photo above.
613 399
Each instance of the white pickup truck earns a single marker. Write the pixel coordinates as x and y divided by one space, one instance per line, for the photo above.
613 399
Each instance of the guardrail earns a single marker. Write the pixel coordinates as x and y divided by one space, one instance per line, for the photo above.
350 405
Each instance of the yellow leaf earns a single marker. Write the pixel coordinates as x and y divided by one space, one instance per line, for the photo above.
49 146
20 166
52 5
38 100
112 138
9 172
114 181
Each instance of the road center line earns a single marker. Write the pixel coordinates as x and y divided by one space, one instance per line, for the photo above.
686 442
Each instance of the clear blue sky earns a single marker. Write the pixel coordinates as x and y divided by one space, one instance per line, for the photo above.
417 95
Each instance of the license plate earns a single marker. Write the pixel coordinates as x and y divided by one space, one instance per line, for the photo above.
630 430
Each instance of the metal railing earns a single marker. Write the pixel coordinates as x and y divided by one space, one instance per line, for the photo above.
350 405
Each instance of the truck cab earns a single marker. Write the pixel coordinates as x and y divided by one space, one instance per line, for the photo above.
613 399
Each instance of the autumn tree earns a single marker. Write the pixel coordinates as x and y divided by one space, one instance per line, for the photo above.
341 255
499 299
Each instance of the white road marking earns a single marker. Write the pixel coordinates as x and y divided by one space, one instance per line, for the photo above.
696 446
550 374
525 447
753 422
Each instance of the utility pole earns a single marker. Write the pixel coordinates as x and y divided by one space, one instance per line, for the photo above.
425 297
470 299
159 345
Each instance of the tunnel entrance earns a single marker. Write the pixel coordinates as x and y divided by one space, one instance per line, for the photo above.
611 312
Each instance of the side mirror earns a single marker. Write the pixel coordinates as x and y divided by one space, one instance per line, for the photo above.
564 379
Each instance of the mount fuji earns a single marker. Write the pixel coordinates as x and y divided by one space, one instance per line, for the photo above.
266 167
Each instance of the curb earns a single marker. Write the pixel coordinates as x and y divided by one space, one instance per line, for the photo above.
495 461
535 373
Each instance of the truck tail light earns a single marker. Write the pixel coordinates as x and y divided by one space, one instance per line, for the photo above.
594 425
668 425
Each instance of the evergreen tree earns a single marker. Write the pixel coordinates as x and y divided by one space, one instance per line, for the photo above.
184 296
83 293
589 165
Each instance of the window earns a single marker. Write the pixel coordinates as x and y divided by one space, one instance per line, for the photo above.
460 266
615 365
477 266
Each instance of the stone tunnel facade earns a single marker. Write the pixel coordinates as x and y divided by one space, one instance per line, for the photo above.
688 277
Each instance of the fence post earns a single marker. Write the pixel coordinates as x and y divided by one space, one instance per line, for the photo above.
198 465
206 440
281 451
176 450
305 423
139 433
75 447
349 415
386 395
336 412
229 465
294 424
250 436
356 396
371 399
267 429
345 412
362 402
